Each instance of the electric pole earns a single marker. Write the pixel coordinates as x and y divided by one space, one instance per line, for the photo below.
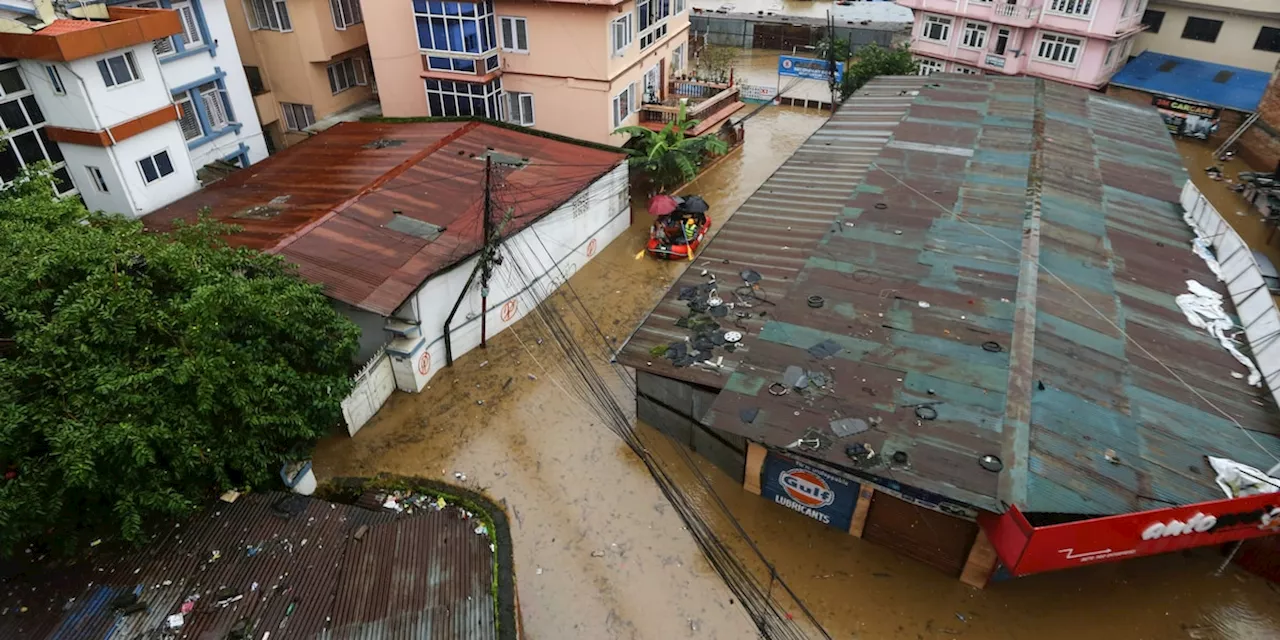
487 251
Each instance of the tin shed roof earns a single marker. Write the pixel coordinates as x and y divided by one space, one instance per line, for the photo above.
336 204
776 228
276 564
997 286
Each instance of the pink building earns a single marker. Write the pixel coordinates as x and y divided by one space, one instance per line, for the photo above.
579 68
1080 42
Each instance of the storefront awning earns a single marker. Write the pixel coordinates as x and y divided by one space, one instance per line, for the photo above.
1193 80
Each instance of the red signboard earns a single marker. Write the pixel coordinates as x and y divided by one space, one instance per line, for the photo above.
1025 549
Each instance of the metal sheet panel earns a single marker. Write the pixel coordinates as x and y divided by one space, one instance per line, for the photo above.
924 281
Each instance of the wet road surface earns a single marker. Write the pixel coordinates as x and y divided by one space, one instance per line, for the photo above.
573 489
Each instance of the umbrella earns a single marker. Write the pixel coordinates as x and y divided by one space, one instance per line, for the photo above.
694 204
662 204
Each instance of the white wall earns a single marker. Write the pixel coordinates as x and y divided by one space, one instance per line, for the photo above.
121 103
149 197
183 71
116 199
71 110
558 243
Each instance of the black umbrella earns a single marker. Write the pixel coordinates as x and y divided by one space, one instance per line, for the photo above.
694 204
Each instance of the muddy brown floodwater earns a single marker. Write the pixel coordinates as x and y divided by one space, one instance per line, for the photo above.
573 489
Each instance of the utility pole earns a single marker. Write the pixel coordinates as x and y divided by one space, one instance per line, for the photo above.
487 252
833 83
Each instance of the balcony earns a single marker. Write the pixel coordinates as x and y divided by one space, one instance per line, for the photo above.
1015 14
709 102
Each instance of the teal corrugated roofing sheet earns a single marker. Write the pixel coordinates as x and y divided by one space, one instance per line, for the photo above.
930 262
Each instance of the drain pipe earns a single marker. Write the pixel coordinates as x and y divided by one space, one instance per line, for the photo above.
448 344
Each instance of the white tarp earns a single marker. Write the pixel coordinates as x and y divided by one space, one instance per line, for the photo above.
1203 308
1241 479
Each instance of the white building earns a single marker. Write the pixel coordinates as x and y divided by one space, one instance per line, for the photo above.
138 103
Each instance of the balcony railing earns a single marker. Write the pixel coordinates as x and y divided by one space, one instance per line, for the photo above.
704 99
1016 11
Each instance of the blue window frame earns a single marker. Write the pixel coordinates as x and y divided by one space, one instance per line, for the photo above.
204 110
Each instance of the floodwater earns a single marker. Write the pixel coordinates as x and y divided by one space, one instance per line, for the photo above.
573 489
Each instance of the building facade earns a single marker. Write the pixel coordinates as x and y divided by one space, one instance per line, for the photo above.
134 108
306 61
1238 33
578 68
1079 42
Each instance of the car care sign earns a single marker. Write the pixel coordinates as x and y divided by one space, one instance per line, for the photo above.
821 495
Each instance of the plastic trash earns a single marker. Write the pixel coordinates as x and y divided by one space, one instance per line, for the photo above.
299 477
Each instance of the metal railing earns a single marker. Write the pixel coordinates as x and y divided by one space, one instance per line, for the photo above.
669 113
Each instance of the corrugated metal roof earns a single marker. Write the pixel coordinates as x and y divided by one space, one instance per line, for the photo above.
774 231
961 347
325 204
411 577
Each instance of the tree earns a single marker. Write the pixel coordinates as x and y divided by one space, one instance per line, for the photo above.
713 62
670 157
873 60
142 373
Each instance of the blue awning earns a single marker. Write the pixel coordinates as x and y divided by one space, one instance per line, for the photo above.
1193 80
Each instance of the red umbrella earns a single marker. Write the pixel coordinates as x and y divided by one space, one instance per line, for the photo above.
662 204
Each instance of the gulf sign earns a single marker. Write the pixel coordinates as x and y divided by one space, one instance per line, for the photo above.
808 490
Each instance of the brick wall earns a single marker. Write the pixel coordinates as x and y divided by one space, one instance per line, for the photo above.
1260 145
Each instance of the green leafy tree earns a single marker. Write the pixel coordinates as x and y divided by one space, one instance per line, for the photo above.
670 157
713 62
141 373
872 61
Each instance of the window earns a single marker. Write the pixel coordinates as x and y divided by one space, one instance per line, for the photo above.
455 27
155 167
679 7
254 76
95 176
164 46
118 70
268 15
297 116
929 67
1002 41
1153 19
975 35
1268 40
621 29
449 98
677 59
55 80
968 71
936 28
624 104
23 141
188 119
345 13
345 74
1079 8
1060 49
1126 7
216 107
190 27
651 19
1201 29
515 35
520 108
1111 55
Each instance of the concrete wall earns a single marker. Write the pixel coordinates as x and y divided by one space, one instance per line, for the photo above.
552 249
676 409
1235 42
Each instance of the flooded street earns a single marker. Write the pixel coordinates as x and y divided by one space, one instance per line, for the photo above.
599 552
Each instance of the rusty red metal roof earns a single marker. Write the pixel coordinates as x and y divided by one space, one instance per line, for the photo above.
276 564
325 204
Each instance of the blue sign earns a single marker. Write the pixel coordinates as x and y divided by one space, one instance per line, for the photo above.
823 496
810 68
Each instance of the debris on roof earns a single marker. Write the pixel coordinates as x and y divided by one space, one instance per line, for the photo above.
999 311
